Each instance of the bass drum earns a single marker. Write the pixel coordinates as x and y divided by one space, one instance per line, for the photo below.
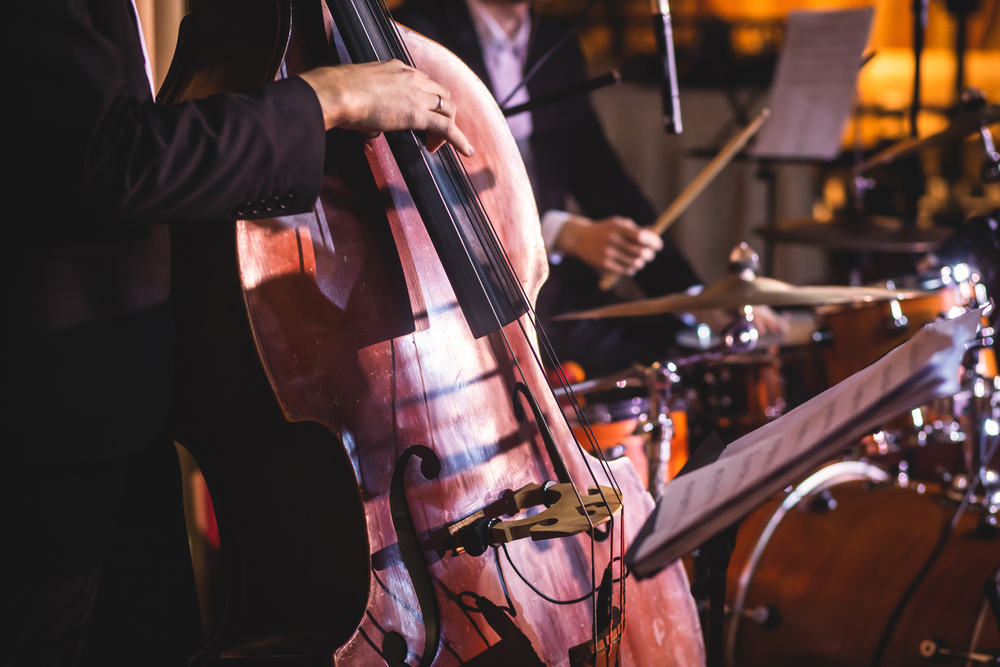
816 575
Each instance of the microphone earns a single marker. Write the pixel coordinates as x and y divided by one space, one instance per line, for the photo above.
665 52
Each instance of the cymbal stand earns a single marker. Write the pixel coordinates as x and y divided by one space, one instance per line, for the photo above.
981 405
659 380
766 172
984 428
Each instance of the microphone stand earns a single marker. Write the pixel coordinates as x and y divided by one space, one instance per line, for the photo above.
961 9
634 71
920 9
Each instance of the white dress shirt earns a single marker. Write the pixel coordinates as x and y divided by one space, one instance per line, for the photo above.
505 57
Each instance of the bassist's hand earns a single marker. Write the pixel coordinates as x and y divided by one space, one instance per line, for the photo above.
383 96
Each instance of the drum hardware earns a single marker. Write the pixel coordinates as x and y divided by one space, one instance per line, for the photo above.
938 442
896 324
659 379
931 649
823 337
614 452
655 412
742 335
765 616
822 502
656 415
980 403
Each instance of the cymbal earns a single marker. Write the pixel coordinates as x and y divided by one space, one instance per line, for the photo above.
872 234
735 292
965 124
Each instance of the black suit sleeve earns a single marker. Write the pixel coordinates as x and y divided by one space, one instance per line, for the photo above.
196 160
123 160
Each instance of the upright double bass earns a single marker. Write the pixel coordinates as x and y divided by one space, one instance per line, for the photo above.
362 389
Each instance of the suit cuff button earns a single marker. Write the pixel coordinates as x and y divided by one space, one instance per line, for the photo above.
241 211
287 200
272 204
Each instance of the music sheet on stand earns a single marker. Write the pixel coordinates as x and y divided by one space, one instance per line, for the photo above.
695 506
813 87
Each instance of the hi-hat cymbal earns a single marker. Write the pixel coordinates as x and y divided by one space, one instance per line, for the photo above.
871 234
735 292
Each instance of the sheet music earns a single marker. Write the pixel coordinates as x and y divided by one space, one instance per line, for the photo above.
814 83
754 467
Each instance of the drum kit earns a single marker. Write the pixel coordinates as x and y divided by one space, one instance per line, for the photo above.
852 565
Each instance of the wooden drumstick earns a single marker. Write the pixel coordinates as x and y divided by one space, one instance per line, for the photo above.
696 186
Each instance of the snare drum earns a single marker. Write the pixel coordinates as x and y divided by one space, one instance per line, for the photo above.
816 575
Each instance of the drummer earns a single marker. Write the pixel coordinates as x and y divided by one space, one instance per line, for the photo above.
567 157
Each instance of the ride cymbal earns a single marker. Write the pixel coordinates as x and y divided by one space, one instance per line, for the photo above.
735 291
871 234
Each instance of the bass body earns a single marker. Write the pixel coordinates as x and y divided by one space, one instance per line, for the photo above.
322 352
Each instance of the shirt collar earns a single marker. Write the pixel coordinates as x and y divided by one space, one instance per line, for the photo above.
492 36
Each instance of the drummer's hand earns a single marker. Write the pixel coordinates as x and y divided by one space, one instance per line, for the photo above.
614 244
384 96
769 322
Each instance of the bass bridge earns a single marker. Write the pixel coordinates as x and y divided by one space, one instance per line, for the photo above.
563 516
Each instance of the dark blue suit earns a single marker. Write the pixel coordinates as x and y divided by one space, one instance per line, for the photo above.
91 488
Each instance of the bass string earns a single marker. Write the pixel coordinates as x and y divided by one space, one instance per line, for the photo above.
486 228
490 239
503 267
486 232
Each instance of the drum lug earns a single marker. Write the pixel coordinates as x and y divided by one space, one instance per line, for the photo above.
824 337
822 502
765 616
937 651
896 323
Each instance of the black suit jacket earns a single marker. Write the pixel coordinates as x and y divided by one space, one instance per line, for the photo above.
572 158
86 257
